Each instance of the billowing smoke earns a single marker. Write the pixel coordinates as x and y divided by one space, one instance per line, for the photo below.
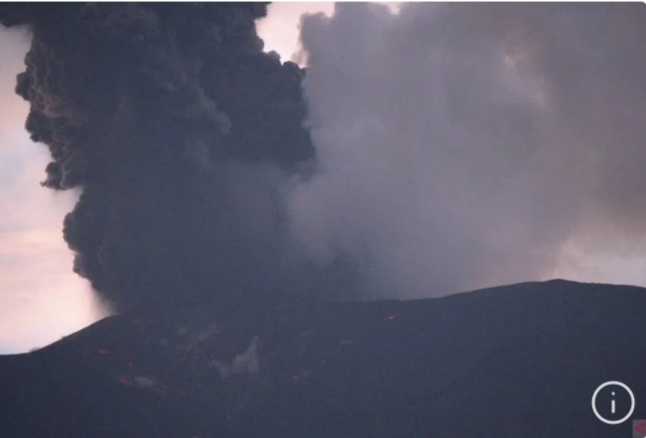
463 145
457 145
180 132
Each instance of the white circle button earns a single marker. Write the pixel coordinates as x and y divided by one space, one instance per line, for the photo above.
616 386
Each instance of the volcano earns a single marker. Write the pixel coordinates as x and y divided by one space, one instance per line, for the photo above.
514 361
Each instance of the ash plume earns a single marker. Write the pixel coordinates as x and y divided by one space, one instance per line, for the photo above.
467 145
457 146
179 130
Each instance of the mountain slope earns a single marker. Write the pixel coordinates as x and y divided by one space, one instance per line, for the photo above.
514 361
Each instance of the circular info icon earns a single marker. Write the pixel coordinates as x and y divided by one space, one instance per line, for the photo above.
611 400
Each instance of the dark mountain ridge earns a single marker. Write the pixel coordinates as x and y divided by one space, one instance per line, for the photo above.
513 361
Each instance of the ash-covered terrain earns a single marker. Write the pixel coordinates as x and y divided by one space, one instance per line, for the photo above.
514 361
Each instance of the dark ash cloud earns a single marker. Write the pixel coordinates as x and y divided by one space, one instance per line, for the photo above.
180 131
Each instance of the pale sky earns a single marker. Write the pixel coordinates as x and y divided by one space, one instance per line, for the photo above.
41 299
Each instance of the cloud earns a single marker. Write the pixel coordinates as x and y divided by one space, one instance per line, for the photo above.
462 146
168 118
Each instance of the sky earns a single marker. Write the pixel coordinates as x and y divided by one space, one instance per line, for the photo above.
42 299
409 113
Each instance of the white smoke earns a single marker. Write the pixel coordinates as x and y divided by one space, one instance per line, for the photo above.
465 145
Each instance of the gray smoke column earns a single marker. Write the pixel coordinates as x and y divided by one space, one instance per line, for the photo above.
462 145
180 131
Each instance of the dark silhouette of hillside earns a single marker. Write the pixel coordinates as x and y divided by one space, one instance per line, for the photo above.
513 361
